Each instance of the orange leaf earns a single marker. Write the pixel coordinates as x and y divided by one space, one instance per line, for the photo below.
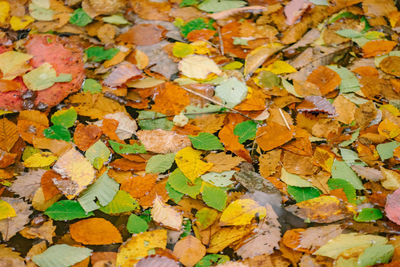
366 71
6 159
170 99
229 31
378 47
95 231
86 135
146 201
189 250
47 184
326 79
143 34
8 134
273 135
139 186
109 127
128 165
200 35
28 130
230 140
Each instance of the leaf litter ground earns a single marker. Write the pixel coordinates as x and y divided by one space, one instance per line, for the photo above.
199 133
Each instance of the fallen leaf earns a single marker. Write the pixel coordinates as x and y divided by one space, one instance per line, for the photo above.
189 250
95 231
166 215
190 163
26 184
241 212
198 67
273 135
10 226
222 161
161 141
45 231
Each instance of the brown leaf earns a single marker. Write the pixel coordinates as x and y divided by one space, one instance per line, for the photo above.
222 161
161 141
143 34
139 186
345 109
86 135
269 162
298 164
121 73
26 184
103 259
170 99
8 257
391 65
9 227
8 134
273 135
48 186
45 231
156 260
326 79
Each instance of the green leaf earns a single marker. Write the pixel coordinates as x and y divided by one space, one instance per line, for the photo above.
61 256
349 33
294 180
187 228
349 83
368 215
222 179
206 141
303 193
342 171
178 181
220 5
211 260
196 24
245 130
136 224
104 189
29 151
206 109
147 121
127 149
343 15
63 78
65 210
80 18
122 202
376 254
92 86
173 194
353 138
348 189
57 132
231 92
97 154
188 3
206 217
160 163
385 150
214 197
65 117
116 19
98 53
351 157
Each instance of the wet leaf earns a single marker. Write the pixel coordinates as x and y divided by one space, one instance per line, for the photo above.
67 210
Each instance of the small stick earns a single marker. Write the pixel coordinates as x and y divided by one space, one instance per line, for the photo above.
221 42
284 119
218 103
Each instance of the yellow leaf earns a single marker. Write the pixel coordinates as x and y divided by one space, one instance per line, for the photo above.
189 162
279 67
13 64
227 236
198 67
78 169
40 160
6 210
391 179
18 23
200 47
388 129
4 11
258 56
166 215
241 212
392 109
182 49
139 245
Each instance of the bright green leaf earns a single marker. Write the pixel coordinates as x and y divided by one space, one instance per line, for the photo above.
65 210
303 193
136 224
127 149
178 181
245 130
214 197
196 24
348 189
92 86
188 3
80 18
122 202
65 117
206 141
57 132
98 53
368 215
160 163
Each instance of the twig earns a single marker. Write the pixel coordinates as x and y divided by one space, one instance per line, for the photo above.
284 119
221 42
218 103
